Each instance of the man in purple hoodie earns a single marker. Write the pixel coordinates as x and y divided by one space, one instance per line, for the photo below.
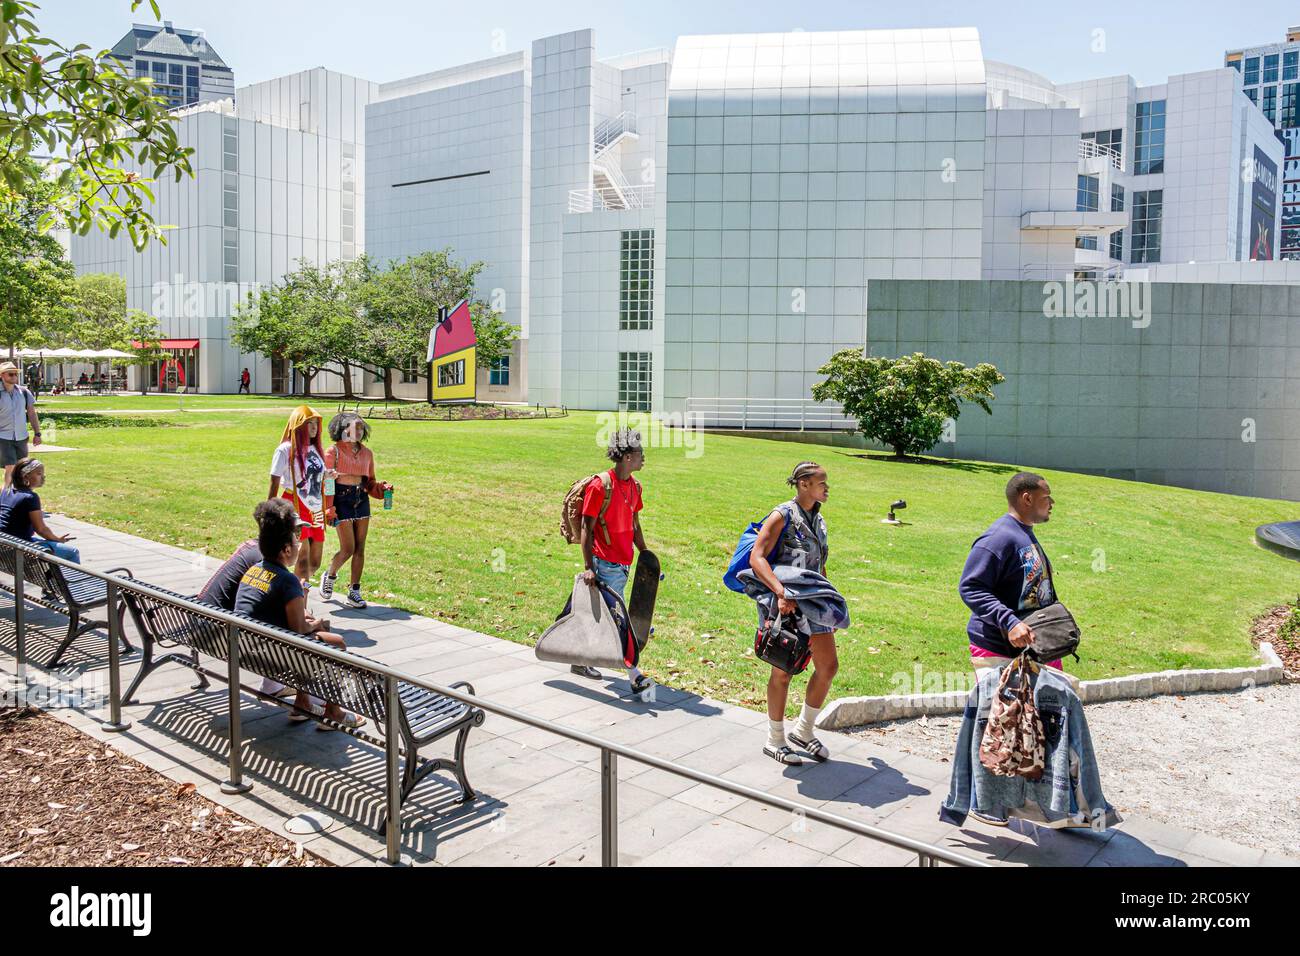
1007 573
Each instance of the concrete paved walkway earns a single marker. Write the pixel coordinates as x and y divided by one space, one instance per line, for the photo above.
539 795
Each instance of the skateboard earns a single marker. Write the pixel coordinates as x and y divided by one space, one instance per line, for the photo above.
645 586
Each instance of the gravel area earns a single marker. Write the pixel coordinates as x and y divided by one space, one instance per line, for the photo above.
1225 764
66 799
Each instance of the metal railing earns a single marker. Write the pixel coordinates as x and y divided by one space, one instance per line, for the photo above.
606 132
927 854
1091 149
607 197
768 413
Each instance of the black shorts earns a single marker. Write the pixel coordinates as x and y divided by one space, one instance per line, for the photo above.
351 502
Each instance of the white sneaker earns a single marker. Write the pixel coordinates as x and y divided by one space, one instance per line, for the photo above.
354 598
327 584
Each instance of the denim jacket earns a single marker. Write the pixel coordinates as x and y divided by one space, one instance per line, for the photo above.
1069 792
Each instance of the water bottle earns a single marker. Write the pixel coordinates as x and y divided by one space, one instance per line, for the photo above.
329 484
388 499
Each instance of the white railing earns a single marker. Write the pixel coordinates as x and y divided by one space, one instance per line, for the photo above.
608 131
614 179
1091 149
607 197
799 414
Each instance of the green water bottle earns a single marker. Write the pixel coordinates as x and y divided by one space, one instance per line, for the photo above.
388 499
329 484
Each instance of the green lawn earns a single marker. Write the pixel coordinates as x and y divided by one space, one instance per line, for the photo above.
1182 577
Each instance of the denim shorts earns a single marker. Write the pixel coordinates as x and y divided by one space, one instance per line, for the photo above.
613 576
351 502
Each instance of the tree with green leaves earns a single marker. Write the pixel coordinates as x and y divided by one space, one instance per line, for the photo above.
94 120
903 402
36 280
139 335
401 306
309 318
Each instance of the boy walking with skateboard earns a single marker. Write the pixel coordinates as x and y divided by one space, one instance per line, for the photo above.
610 527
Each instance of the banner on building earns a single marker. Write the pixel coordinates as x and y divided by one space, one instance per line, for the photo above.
1263 207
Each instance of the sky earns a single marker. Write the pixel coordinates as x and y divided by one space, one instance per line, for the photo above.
384 40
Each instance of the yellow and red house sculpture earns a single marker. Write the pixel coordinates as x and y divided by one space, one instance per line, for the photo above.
452 367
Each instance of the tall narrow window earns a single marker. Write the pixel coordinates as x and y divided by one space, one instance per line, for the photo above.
1147 208
1270 69
1291 65
634 381
636 280
1149 150
1269 106
1086 199
499 371
1251 76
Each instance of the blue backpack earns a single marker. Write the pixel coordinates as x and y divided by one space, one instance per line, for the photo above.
740 557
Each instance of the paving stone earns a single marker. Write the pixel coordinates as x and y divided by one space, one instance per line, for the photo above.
714 843
777 852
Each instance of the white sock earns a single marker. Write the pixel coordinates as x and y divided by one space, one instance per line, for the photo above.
633 674
776 733
807 722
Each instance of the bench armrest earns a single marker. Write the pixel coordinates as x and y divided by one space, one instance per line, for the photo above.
464 683
126 571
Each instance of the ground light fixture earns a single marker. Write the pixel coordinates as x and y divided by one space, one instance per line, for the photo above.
898 505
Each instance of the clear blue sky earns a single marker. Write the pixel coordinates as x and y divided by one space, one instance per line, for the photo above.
384 40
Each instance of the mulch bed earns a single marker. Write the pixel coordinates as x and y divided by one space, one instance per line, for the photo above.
67 799
1266 627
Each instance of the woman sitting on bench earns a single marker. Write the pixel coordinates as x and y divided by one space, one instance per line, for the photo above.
21 514
272 594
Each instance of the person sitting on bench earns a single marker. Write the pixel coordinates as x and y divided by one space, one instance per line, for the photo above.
21 514
268 592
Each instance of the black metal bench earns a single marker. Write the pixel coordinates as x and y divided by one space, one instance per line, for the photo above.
412 716
61 589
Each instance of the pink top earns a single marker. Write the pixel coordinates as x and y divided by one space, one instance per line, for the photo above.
357 464
977 651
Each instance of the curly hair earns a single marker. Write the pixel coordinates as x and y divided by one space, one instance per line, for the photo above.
276 524
340 423
622 443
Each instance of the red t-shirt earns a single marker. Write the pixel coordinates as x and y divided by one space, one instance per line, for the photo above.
624 502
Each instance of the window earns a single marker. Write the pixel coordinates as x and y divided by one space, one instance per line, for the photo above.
499 371
1147 207
1149 150
1086 199
1114 138
634 381
1251 76
1270 69
1291 65
175 74
1253 96
1085 242
636 280
1290 97
411 372
453 373
1235 64
1116 197
1270 103
142 68
191 84
1117 245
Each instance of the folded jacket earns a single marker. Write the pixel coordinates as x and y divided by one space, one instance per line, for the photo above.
1069 792
822 607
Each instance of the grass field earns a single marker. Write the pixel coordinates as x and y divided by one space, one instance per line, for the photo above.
156 402
1158 577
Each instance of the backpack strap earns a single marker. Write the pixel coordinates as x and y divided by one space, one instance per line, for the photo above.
608 485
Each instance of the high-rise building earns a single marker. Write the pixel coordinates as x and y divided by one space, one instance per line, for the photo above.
184 68
1270 76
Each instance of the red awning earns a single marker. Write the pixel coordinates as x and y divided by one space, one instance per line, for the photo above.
172 344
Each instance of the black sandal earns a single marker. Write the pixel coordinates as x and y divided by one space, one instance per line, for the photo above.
812 747
783 755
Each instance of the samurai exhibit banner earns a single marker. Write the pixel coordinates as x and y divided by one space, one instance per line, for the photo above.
1263 207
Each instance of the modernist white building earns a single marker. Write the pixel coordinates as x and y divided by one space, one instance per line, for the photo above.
705 224
279 176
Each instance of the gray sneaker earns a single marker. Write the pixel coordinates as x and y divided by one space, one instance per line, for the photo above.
327 584
354 598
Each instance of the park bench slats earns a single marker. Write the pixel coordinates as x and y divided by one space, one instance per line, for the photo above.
58 589
424 716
